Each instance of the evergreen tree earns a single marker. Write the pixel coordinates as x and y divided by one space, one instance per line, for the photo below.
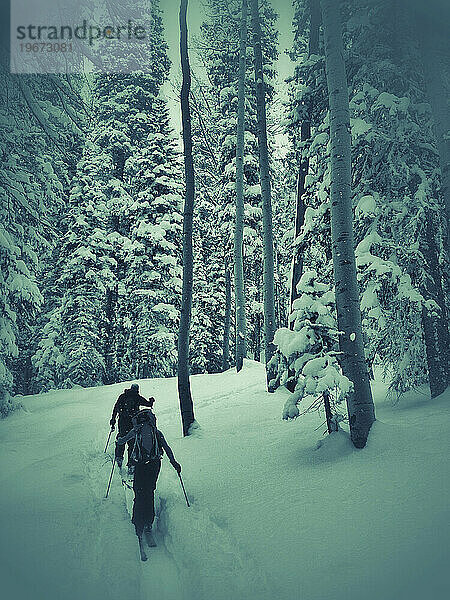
398 207
126 193
311 350
431 28
153 274
36 132
393 168
300 127
70 351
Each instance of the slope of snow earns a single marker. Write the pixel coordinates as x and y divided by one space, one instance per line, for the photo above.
274 514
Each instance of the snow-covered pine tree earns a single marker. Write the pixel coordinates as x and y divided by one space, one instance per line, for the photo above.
399 212
70 351
66 97
133 168
311 350
211 248
153 262
124 118
38 130
308 159
431 21
302 119
389 119
307 126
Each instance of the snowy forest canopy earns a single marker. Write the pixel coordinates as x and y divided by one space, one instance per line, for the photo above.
93 187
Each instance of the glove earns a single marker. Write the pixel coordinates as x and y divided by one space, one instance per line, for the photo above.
112 423
177 467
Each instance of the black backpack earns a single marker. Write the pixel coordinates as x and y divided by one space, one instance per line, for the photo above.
146 445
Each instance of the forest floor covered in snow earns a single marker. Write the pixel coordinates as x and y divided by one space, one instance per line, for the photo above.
274 514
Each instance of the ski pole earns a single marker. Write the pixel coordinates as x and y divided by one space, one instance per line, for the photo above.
182 485
109 437
110 477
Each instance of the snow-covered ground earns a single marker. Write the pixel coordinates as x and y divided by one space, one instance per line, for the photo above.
273 516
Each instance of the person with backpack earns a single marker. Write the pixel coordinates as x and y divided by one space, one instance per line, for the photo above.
149 444
126 407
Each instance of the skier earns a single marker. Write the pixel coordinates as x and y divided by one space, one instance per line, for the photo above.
148 446
126 407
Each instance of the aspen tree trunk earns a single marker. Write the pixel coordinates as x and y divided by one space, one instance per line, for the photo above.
360 406
184 386
241 335
305 134
268 286
227 323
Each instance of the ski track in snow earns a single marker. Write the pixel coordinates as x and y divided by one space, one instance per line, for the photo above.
211 562
159 573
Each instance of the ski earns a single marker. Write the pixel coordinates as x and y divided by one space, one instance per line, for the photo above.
127 484
147 538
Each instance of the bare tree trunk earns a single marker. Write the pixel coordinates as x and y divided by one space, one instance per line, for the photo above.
227 323
331 423
184 386
305 134
360 406
241 335
268 286
110 334
297 260
256 337
435 326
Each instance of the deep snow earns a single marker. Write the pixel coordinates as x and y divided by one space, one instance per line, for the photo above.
274 514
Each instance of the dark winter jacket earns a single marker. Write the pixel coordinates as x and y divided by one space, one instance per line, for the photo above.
127 406
145 430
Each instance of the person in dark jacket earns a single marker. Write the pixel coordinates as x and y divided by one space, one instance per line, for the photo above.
149 444
126 407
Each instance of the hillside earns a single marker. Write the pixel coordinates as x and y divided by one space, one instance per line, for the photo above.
273 515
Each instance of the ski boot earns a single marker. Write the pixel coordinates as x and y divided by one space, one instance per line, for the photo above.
149 536
142 550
